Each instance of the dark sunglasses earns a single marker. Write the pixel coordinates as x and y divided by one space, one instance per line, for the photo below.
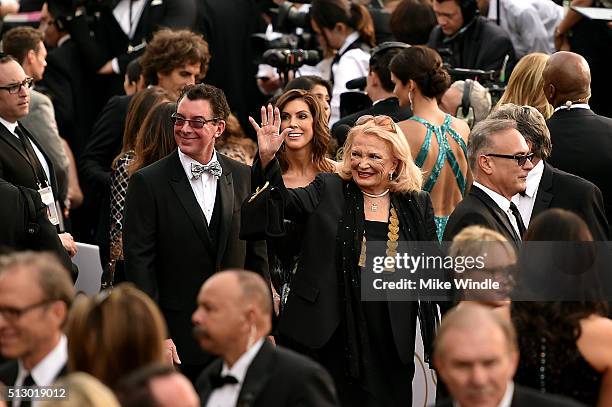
521 159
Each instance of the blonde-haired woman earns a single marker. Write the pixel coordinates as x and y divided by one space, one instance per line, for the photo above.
367 346
526 85
82 390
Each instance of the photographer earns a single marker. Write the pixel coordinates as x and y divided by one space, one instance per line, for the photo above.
348 29
472 41
110 33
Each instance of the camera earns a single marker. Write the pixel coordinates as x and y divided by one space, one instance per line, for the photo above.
290 59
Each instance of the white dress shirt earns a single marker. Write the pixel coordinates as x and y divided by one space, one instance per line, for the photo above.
572 106
526 201
121 12
506 401
227 395
503 203
11 127
205 187
521 20
46 371
352 65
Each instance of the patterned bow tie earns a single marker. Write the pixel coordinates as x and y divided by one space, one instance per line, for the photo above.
214 168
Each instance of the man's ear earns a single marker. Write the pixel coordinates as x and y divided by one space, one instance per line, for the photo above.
220 128
485 164
29 58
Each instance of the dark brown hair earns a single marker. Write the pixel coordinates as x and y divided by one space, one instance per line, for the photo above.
169 50
558 225
328 13
320 129
155 139
19 40
214 96
412 21
141 104
424 66
115 333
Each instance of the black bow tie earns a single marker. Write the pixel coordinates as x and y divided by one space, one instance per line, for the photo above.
217 381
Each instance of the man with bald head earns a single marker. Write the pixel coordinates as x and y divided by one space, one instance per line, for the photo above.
233 318
476 355
581 139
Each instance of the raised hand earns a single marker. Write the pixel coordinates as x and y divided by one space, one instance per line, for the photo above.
269 136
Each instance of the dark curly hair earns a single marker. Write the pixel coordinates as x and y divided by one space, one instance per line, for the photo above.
320 129
171 49
424 66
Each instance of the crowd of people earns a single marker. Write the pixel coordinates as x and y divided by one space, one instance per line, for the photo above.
239 217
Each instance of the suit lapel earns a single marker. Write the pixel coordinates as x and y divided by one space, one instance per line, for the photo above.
205 388
182 188
12 141
53 181
496 211
544 194
257 376
226 189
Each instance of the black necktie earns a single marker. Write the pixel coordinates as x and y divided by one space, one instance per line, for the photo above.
519 219
29 382
31 155
217 381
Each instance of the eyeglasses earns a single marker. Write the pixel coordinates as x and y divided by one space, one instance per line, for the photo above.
179 121
16 87
12 314
521 159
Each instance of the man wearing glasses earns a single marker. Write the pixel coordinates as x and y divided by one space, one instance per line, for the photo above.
35 295
182 220
500 160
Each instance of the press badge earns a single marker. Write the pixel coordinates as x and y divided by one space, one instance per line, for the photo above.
46 195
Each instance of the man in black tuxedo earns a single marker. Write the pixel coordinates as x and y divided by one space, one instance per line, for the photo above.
379 88
476 356
35 294
182 220
548 187
582 141
25 223
500 161
233 317
470 41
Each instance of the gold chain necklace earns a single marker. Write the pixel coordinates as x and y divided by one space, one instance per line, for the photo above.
392 235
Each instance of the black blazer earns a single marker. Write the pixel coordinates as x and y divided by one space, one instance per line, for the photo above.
559 189
315 305
168 252
477 208
25 224
277 377
9 371
389 107
582 145
15 167
526 397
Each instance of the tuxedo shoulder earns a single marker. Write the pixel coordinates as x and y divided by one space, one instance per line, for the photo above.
234 164
526 397
158 168
567 180
8 372
294 363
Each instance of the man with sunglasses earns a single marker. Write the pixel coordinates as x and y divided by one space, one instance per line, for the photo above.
182 220
35 294
500 160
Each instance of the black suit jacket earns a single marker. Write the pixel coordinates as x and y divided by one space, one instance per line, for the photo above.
389 107
315 305
559 189
15 167
582 145
277 377
25 224
167 248
483 45
477 208
526 397
9 371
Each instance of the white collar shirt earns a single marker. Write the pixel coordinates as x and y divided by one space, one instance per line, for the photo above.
11 127
506 401
205 187
503 203
572 106
526 201
227 395
128 13
520 19
47 370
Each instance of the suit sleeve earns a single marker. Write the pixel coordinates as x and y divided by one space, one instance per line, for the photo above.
595 215
60 89
460 222
316 388
139 236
